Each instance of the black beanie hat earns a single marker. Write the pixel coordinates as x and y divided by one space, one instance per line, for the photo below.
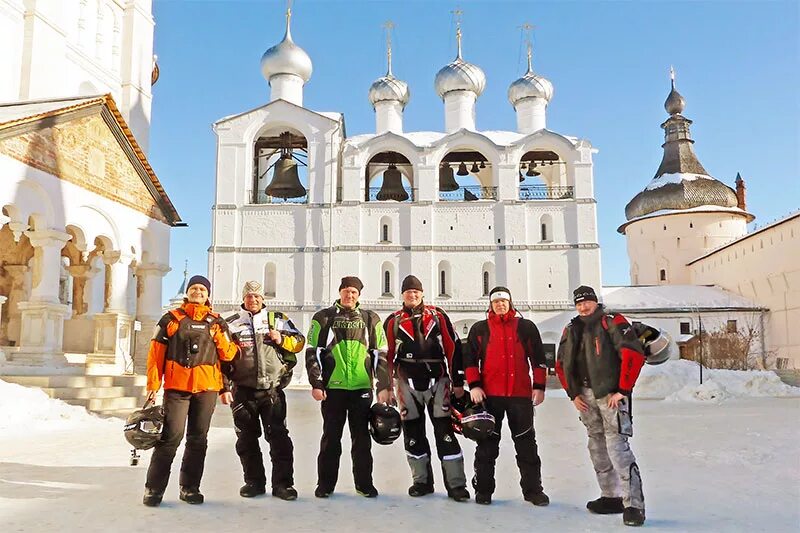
199 280
583 293
351 281
411 282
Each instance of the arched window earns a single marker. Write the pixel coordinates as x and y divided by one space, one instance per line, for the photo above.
385 229
662 275
546 228
487 278
270 280
444 279
387 283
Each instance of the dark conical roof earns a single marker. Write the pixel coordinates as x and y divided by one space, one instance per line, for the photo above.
680 182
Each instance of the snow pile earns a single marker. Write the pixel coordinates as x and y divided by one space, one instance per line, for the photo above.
666 179
680 381
27 409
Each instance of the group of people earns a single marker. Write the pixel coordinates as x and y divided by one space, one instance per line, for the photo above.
414 360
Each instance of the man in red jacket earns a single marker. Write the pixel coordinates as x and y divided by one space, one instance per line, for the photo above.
501 352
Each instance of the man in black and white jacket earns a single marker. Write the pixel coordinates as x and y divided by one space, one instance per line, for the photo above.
254 382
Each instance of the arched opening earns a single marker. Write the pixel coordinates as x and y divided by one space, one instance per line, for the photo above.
444 279
389 177
280 168
385 230
387 279
546 228
465 176
16 253
270 280
487 278
542 175
662 274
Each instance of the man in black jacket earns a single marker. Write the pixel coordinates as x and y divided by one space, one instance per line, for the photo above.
426 353
599 359
268 342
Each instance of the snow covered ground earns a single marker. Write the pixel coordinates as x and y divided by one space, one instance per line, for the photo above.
727 463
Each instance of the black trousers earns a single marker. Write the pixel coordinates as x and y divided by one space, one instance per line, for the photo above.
183 411
254 409
352 406
520 421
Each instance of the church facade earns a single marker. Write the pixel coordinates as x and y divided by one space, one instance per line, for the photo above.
85 224
299 204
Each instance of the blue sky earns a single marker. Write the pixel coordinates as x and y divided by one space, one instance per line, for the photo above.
737 63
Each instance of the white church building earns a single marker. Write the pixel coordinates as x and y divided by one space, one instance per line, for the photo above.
85 224
299 204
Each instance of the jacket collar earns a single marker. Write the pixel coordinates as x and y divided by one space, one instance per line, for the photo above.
196 312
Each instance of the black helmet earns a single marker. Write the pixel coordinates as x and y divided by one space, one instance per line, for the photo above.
477 423
384 423
657 344
469 419
143 427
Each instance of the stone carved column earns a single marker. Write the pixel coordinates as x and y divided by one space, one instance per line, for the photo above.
42 316
120 282
16 295
148 310
46 273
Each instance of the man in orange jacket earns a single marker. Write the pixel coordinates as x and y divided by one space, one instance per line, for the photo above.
186 352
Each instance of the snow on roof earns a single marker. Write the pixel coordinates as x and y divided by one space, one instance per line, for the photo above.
503 138
666 179
673 298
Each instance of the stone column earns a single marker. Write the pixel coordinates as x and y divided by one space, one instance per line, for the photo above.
121 282
16 294
113 327
148 310
42 316
79 330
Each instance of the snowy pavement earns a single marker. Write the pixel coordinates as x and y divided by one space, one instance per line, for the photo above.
730 466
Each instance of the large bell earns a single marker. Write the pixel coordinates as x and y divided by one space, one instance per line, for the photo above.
462 169
285 182
469 196
392 187
532 171
447 182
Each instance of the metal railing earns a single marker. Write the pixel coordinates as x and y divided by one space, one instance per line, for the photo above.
469 193
264 198
372 195
544 192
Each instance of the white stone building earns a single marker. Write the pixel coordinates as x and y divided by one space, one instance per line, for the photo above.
461 209
689 230
85 224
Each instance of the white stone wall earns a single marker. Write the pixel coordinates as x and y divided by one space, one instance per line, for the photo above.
764 267
669 242
62 48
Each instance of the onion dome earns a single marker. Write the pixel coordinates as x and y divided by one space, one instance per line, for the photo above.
460 75
680 182
388 88
530 85
286 57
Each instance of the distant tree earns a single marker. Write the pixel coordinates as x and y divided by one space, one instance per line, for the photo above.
734 346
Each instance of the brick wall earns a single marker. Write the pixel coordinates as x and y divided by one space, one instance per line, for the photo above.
86 153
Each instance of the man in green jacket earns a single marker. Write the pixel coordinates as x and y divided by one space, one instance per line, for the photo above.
346 352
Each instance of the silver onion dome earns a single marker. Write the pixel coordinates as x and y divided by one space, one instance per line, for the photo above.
388 88
530 85
460 75
286 57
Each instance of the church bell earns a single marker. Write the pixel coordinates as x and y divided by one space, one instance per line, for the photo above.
447 182
392 187
285 181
